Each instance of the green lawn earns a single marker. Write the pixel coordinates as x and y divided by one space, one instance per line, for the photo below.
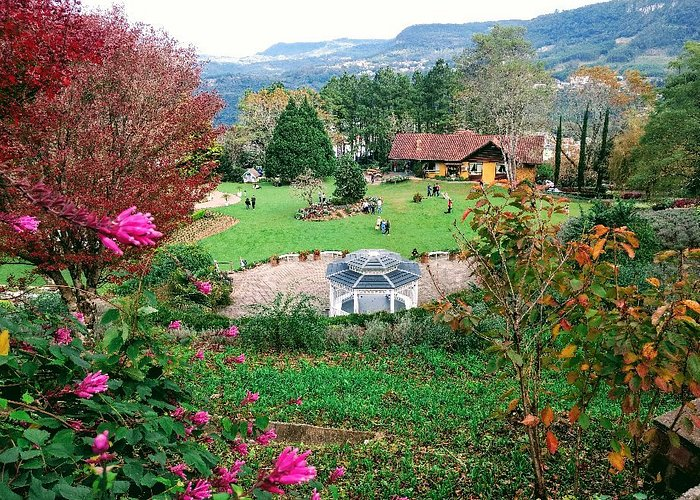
436 410
271 228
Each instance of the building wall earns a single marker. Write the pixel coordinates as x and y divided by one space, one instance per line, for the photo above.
441 170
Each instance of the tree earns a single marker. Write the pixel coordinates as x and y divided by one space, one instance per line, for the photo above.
557 154
299 142
602 158
582 152
117 136
434 99
668 158
350 182
306 184
506 88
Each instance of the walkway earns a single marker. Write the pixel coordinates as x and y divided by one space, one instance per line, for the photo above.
217 199
260 284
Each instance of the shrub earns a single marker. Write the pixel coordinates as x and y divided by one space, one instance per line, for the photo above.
545 172
418 170
289 323
686 203
396 179
417 198
675 229
49 303
193 317
350 183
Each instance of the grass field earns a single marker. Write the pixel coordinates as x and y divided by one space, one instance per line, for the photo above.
271 228
436 412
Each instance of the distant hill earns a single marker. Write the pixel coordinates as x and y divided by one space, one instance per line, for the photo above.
641 34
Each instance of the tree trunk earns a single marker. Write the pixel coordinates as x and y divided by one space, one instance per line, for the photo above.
533 441
80 295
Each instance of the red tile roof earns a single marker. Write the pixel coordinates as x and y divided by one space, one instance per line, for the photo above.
458 146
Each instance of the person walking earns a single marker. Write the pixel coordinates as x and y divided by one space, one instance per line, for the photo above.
430 190
449 206
436 189
388 226
252 202
247 203
379 205
320 199
382 226
378 224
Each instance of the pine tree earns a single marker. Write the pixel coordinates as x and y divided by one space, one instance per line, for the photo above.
582 151
350 183
557 155
298 142
603 155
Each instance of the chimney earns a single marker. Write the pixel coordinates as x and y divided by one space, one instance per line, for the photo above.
418 145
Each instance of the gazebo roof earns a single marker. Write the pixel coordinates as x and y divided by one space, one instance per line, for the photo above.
373 270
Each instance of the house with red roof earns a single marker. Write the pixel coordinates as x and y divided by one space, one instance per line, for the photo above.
467 155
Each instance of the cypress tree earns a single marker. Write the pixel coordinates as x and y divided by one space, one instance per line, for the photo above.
582 151
600 163
557 155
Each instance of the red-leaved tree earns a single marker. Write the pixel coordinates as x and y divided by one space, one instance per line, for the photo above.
113 137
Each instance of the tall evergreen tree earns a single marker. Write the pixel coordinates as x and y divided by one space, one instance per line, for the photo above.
350 183
557 155
582 152
603 155
298 142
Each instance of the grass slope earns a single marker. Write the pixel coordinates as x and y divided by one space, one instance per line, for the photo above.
271 228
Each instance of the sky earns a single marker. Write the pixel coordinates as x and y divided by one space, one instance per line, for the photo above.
240 28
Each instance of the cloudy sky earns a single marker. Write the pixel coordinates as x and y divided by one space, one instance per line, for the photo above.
244 27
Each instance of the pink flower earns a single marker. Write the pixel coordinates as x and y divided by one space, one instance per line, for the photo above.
231 331
224 477
98 459
130 228
62 336
179 470
290 468
175 325
199 491
267 436
250 397
336 474
240 447
199 355
298 401
200 418
92 384
101 443
240 359
76 425
315 495
250 427
203 287
189 430
23 223
79 317
178 413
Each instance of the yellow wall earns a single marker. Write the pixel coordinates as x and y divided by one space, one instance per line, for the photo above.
488 174
441 171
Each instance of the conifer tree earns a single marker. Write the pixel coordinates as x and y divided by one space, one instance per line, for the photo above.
557 155
350 183
582 151
603 155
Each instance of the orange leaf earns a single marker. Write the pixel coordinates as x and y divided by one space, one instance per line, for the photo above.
574 413
628 248
691 304
513 405
598 247
466 213
530 421
661 384
568 351
648 351
552 442
565 324
654 281
616 460
547 416
694 388
600 230
642 370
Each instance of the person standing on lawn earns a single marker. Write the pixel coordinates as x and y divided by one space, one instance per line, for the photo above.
449 206
430 190
388 226
379 205
252 202
247 203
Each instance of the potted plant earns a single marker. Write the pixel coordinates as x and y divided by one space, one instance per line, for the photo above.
317 254
345 252
424 258
274 260
303 255
453 254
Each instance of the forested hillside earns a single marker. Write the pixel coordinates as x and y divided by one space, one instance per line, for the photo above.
640 34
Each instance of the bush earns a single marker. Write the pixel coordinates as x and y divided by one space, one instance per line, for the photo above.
418 170
289 323
395 180
192 317
675 229
350 183
417 198
49 303
545 172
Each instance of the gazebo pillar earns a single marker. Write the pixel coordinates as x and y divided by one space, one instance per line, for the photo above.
355 302
391 301
331 300
415 294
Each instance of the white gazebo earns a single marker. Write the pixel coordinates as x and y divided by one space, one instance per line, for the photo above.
368 281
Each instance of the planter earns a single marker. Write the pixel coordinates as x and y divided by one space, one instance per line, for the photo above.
317 255
452 256
302 257
424 258
274 262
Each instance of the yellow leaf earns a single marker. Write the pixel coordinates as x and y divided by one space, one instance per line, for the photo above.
691 304
4 343
598 247
616 460
568 351
600 230
628 248
654 281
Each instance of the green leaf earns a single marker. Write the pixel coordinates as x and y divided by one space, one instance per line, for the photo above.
598 290
38 492
194 458
220 496
27 398
7 494
27 454
109 316
262 422
36 436
3 404
146 310
516 358
10 456
584 421
73 492
133 470
694 366
150 298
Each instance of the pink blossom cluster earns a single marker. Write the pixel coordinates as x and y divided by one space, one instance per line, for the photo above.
175 325
196 419
240 359
267 436
22 223
203 287
250 397
63 336
290 468
100 446
92 384
130 228
199 355
240 447
223 477
231 332
197 491
79 317
336 474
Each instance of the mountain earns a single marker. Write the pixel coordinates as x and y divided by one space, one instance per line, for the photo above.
641 34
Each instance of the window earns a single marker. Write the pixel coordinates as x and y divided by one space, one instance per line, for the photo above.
476 168
501 168
431 167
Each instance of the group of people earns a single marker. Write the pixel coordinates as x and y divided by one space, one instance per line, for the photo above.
371 207
434 190
250 202
383 225
322 197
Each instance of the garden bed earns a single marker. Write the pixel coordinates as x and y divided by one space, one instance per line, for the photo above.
209 224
